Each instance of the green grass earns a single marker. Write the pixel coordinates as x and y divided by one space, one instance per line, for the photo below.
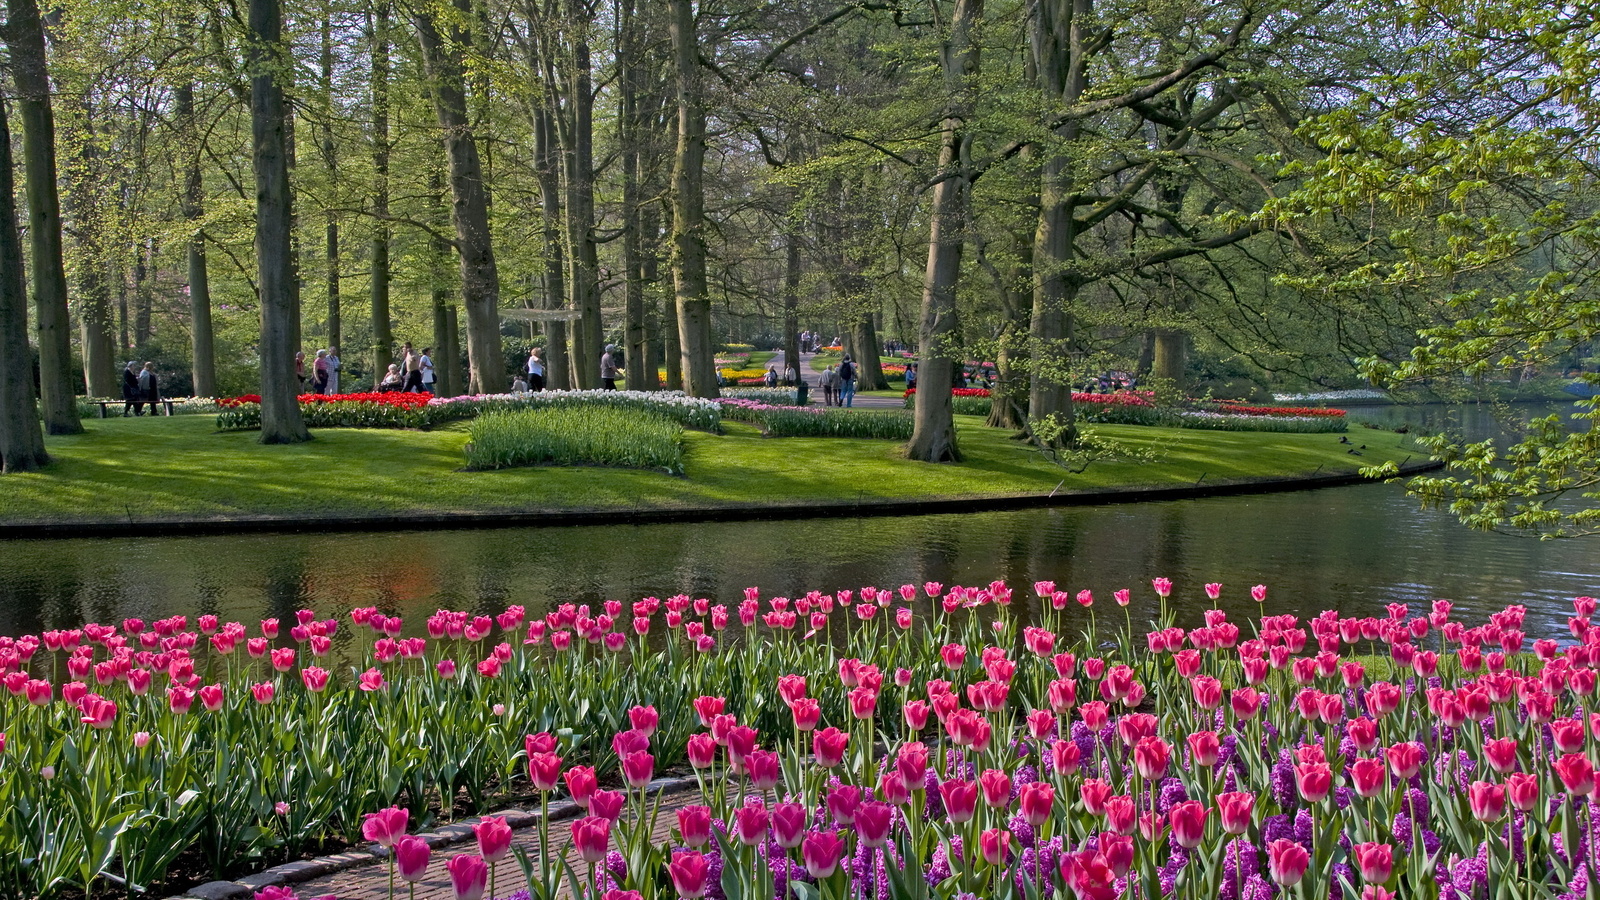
124 470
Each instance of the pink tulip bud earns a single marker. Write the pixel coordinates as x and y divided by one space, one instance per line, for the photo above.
281 808
141 739
469 875
494 837
591 835
386 825
821 853
411 855
1287 861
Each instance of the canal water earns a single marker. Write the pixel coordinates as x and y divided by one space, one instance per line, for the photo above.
1354 549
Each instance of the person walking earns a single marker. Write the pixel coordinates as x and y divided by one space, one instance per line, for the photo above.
334 366
847 382
536 369
411 366
911 376
608 368
149 387
130 389
428 374
319 380
300 368
771 378
830 385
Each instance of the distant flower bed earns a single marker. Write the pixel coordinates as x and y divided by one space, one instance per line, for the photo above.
739 374
1237 409
1120 408
390 410
1322 396
806 421
576 436
1287 424
777 396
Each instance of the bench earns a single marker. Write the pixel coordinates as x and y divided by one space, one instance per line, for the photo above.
154 404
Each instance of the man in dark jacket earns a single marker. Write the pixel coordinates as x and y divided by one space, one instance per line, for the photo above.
130 390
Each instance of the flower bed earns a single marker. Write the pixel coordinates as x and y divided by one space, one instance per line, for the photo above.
1120 408
936 749
1216 421
1239 409
576 436
777 396
395 410
810 421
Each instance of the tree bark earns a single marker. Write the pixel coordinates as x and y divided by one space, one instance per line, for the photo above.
86 206
21 437
281 422
639 374
791 301
688 211
382 348
203 365
480 276
330 159
868 347
933 438
547 161
575 121
25 37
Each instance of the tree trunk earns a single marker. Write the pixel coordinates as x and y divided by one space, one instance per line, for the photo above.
444 377
281 422
934 436
639 373
382 348
575 121
557 364
330 159
21 438
203 366
1059 30
868 363
1171 355
25 37
688 211
480 277
791 302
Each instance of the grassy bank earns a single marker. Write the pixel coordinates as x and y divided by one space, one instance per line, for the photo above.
128 470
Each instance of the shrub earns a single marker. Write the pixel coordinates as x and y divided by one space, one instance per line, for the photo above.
576 436
805 421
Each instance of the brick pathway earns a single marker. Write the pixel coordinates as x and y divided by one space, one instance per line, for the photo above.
371 882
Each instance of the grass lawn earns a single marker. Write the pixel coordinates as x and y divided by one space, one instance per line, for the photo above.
182 468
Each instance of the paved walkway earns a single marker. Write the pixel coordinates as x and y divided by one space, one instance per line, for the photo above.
371 882
813 380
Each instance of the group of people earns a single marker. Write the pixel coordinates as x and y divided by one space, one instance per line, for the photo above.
532 377
839 385
324 374
811 342
139 387
413 374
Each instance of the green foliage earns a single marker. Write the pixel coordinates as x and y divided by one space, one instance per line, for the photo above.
810 421
576 436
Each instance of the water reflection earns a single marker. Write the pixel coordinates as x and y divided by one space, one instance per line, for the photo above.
1353 549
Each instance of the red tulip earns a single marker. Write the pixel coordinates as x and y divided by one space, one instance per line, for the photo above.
1576 774
1287 862
1523 790
996 786
828 746
788 824
1035 801
995 846
494 837
591 835
694 825
1189 823
469 875
821 853
411 855
960 799
688 871
1487 801
1235 811
1374 861
385 826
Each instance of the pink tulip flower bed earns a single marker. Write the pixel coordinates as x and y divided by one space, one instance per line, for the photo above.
918 743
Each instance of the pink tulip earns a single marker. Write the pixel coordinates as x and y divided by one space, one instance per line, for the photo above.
1121 814
821 853
1235 810
98 712
1373 861
638 769
211 697
315 679
688 871
644 719
1035 801
1287 862
1487 801
828 746
494 837
1405 760
1117 851
789 824
591 835
386 825
581 784
607 804
763 769
469 875
411 855
750 823
960 799
372 680
996 787
1151 757
694 825
995 846
1523 790
1189 823
180 700
544 770
1576 774
807 713
1204 748
1315 781
263 692
1367 776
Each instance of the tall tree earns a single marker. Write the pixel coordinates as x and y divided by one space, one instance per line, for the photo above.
933 438
25 35
330 160
269 67
382 348
202 334
688 210
480 275
21 437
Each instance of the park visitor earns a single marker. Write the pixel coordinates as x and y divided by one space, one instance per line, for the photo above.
300 368
149 387
319 380
536 369
411 364
608 368
830 385
847 382
130 388
771 378
392 382
334 365
428 374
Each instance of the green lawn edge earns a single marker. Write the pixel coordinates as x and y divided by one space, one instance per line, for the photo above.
163 470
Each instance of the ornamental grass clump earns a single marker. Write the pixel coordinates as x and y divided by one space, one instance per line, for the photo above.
573 436
804 421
